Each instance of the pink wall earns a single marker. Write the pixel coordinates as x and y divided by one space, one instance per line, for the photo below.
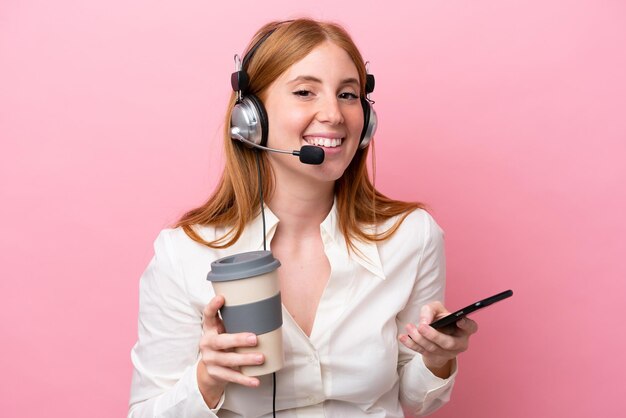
507 117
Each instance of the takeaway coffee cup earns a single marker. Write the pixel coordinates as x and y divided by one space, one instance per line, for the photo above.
249 284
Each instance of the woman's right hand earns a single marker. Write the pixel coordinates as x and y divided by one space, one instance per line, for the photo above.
219 363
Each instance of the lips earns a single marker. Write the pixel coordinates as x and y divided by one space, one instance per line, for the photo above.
322 141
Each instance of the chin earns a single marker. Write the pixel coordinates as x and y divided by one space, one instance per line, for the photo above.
327 174
330 170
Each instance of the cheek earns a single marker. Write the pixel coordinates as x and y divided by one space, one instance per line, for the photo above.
289 121
355 117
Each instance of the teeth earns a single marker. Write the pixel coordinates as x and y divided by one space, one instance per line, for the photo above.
324 142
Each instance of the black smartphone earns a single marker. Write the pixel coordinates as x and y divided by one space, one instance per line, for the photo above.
451 319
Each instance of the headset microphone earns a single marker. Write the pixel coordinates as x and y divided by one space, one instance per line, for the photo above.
309 154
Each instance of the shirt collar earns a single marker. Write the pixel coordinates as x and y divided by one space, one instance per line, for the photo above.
253 233
365 253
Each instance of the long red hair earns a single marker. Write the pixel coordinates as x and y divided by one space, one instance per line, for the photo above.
236 201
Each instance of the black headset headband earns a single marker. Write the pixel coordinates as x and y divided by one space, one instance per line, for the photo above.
240 81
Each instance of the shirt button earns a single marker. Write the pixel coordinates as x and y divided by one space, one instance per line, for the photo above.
312 359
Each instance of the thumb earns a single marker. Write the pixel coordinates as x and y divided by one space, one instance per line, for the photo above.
426 315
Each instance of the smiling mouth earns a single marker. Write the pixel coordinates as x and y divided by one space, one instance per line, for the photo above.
324 142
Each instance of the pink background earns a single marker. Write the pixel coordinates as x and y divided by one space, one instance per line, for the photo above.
506 117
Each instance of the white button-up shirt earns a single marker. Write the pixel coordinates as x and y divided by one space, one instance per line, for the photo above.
352 365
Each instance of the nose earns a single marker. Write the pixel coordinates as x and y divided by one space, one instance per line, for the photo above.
329 111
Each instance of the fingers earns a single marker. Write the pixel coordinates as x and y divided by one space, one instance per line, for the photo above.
467 325
215 337
229 341
222 363
430 311
409 342
217 349
435 341
229 375
223 366
438 347
231 359
211 321
425 339
432 340
426 315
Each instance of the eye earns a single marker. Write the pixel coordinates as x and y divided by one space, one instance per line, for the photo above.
348 96
302 93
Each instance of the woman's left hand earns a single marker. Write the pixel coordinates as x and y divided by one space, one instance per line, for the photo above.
438 348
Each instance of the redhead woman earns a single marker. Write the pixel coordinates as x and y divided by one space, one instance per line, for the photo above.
362 275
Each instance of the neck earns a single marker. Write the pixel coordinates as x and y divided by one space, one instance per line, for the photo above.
302 208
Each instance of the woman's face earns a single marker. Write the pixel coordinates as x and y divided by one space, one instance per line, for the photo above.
316 102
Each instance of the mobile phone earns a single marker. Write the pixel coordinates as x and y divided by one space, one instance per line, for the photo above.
451 319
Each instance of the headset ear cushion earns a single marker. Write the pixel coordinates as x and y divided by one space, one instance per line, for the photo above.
263 122
369 123
249 119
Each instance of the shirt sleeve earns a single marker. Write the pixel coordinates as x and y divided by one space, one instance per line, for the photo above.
421 392
165 357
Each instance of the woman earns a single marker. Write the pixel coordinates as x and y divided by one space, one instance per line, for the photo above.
359 270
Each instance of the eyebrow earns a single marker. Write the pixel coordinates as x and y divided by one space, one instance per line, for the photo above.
345 81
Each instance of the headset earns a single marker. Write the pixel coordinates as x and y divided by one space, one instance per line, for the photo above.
249 122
